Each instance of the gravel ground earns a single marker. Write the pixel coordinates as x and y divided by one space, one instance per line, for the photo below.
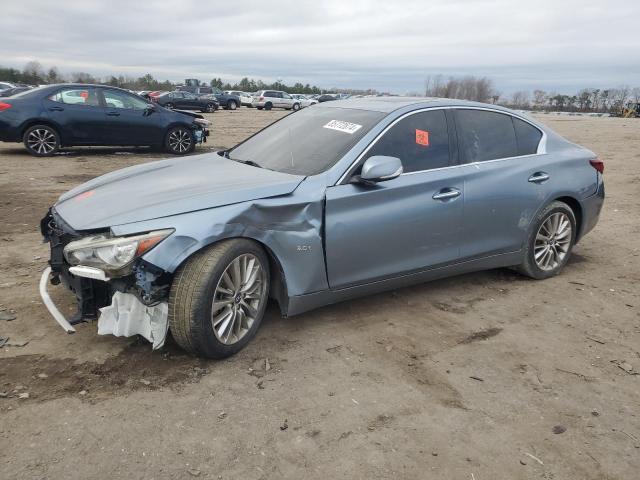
482 376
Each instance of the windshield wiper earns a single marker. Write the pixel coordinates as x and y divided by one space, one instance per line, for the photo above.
246 162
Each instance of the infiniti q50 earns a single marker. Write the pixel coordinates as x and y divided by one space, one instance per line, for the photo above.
344 199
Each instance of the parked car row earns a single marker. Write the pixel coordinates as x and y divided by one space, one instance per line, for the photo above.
49 118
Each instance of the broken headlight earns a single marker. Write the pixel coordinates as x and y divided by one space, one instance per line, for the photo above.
112 254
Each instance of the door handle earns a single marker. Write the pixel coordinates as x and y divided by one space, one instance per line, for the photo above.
539 177
56 109
446 194
113 114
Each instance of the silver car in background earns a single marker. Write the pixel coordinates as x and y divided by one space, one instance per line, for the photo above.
269 99
304 100
344 199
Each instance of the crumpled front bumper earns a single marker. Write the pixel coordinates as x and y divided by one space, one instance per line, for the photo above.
127 316
112 301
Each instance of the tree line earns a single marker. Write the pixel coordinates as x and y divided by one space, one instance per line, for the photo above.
34 73
481 89
609 100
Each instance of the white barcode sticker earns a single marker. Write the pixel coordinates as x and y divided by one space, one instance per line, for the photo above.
342 126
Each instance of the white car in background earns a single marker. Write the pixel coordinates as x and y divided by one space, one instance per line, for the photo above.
304 100
245 98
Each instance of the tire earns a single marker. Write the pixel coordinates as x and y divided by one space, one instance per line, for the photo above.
41 140
543 238
296 107
195 286
210 108
169 105
179 141
231 105
268 106
259 108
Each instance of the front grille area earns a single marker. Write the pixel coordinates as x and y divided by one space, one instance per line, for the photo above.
90 294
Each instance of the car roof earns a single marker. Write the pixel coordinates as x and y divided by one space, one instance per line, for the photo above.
390 104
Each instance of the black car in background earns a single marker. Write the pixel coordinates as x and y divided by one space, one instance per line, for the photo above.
48 118
186 101
326 98
13 91
226 100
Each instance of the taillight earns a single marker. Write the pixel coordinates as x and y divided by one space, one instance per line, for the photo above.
597 164
261 99
4 106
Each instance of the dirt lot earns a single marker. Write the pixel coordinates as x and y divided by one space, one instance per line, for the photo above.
483 376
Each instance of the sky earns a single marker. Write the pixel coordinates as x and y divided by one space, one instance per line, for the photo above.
556 45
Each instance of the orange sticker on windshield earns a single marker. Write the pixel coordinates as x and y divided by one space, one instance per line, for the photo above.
422 137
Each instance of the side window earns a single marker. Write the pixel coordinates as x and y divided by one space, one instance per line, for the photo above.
485 135
77 96
116 99
420 141
528 137
189 96
286 95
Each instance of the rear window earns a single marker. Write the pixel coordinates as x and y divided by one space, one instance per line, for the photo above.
307 142
77 96
528 137
485 135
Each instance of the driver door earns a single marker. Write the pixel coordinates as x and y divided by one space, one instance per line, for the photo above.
404 225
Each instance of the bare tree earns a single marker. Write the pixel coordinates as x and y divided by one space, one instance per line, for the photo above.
520 99
539 98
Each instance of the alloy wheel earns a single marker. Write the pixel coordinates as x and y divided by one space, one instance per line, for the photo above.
238 299
180 141
553 241
42 141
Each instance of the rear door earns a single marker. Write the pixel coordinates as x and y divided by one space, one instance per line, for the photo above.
399 226
129 121
506 180
80 115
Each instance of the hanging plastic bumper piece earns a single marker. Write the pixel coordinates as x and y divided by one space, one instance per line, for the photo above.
127 316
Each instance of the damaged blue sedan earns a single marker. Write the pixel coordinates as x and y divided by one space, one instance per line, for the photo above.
340 200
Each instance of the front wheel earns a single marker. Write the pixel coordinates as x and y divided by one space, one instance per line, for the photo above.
179 141
296 107
169 105
550 242
218 298
231 105
41 140
210 108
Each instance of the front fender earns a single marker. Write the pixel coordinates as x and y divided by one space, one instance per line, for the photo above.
291 229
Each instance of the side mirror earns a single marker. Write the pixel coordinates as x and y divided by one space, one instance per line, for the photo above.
380 168
149 109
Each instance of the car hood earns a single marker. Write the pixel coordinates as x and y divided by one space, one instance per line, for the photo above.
169 187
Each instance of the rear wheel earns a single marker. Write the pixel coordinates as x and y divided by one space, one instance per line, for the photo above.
268 106
218 298
231 105
41 140
296 107
550 242
179 141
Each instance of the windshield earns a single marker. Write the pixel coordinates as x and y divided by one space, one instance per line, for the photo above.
307 142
